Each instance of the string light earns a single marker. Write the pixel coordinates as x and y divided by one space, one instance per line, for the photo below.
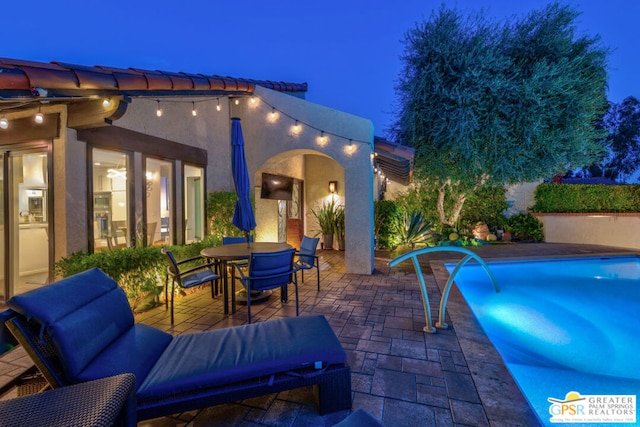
274 115
106 103
194 112
4 123
39 117
322 139
297 128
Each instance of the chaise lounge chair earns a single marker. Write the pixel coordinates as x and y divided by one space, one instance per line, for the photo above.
82 328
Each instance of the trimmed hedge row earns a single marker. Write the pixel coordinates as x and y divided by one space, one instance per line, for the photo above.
586 198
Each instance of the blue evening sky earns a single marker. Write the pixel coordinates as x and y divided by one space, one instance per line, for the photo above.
346 50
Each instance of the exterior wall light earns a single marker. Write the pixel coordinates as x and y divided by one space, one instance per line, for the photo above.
333 187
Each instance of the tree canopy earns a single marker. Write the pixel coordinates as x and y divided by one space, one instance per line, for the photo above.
623 141
499 103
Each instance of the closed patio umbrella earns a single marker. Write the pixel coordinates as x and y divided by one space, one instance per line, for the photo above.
243 216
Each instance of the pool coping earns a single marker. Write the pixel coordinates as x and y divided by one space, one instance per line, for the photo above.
492 379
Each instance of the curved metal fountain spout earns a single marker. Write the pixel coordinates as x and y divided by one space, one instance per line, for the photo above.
447 287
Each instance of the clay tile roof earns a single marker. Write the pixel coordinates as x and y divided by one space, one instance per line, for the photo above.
17 77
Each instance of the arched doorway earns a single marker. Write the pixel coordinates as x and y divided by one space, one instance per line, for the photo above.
291 217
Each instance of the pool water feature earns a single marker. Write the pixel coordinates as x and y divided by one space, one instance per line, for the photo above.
561 325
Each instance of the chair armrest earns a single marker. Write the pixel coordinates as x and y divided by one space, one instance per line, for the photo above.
195 258
240 268
197 268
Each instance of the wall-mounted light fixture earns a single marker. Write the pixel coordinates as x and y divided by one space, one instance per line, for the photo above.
333 187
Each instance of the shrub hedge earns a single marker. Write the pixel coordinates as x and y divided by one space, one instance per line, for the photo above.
586 198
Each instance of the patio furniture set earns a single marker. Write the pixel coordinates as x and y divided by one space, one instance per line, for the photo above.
89 334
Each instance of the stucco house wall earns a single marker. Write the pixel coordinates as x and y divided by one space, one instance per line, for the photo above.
272 145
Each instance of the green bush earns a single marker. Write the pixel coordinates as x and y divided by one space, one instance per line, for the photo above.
387 214
487 205
525 227
584 198
138 270
220 206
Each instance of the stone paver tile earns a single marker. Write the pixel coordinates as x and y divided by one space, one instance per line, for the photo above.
356 331
442 341
461 387
361 382
281 413
468 413
373 346
372 404
408 348
398 323
389 362
443 417
393 384
407 414
432 396
222 415
422 367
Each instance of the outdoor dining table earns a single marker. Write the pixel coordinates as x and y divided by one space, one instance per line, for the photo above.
237 252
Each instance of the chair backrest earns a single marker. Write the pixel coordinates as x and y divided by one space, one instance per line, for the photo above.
269 270
228 240
173 264
308 249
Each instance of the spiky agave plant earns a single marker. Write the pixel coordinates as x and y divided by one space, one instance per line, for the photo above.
414 229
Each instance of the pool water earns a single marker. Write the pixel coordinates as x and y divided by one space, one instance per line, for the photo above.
561 325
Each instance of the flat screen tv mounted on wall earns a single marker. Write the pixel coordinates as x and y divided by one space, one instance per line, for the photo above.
277 187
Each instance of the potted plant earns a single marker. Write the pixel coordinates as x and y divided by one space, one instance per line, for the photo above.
339 226
326 217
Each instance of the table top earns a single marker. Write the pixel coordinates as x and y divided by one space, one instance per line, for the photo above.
236 251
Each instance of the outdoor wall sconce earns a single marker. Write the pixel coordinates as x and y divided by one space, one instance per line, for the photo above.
333 186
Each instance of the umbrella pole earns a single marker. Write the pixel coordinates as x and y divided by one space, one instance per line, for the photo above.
246 237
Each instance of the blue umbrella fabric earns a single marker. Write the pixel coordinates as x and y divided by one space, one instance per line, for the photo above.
243 216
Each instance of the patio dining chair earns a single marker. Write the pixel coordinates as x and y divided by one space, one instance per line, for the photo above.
269 270
306 257
188 273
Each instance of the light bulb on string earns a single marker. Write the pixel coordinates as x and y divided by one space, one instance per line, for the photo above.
218 107
273 115
297 128
106 102
252 100
39 117
322 139
349 148
4 123
194 112
158 110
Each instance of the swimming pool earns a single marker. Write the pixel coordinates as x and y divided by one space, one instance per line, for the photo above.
561 325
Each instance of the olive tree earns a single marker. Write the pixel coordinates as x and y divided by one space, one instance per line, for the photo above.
499 103
623 141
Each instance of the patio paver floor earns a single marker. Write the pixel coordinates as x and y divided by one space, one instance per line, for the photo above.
400 375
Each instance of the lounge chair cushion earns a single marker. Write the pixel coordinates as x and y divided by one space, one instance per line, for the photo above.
136 351
212 358
91 304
